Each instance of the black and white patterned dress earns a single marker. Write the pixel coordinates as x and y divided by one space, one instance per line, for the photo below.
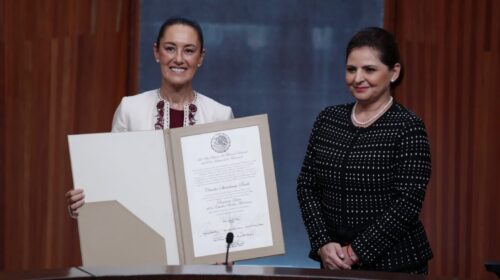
365 187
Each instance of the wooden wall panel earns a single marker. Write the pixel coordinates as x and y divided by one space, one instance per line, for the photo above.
451 50
63 70
2 142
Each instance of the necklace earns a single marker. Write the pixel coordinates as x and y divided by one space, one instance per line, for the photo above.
163 119
376 116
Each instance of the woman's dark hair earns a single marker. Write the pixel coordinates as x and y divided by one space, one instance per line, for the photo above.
180 20
384 42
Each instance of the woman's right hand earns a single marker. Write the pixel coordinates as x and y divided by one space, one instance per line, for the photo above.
333 256
75 200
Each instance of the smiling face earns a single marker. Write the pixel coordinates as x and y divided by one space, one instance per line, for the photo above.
367 77
179 54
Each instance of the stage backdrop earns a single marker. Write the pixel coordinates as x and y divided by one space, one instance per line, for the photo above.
283 58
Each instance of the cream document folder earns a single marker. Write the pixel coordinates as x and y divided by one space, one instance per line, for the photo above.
181 190
131 169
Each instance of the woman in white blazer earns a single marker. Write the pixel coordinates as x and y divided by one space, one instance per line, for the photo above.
179 52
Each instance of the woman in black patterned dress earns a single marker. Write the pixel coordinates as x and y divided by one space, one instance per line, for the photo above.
366 169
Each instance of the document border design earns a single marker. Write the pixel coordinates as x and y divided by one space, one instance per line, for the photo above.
185 234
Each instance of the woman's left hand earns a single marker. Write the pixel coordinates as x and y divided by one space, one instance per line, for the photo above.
333 256
351 257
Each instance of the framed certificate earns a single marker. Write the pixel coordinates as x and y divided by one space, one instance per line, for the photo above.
180 190
225 182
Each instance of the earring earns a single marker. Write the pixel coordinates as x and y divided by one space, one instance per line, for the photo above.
199 65
157 61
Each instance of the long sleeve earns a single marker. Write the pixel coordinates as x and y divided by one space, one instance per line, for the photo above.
412 173
309 196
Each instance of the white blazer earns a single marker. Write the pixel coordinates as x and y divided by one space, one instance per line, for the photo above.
138 112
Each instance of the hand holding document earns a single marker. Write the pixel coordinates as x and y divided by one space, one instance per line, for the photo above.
212 179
